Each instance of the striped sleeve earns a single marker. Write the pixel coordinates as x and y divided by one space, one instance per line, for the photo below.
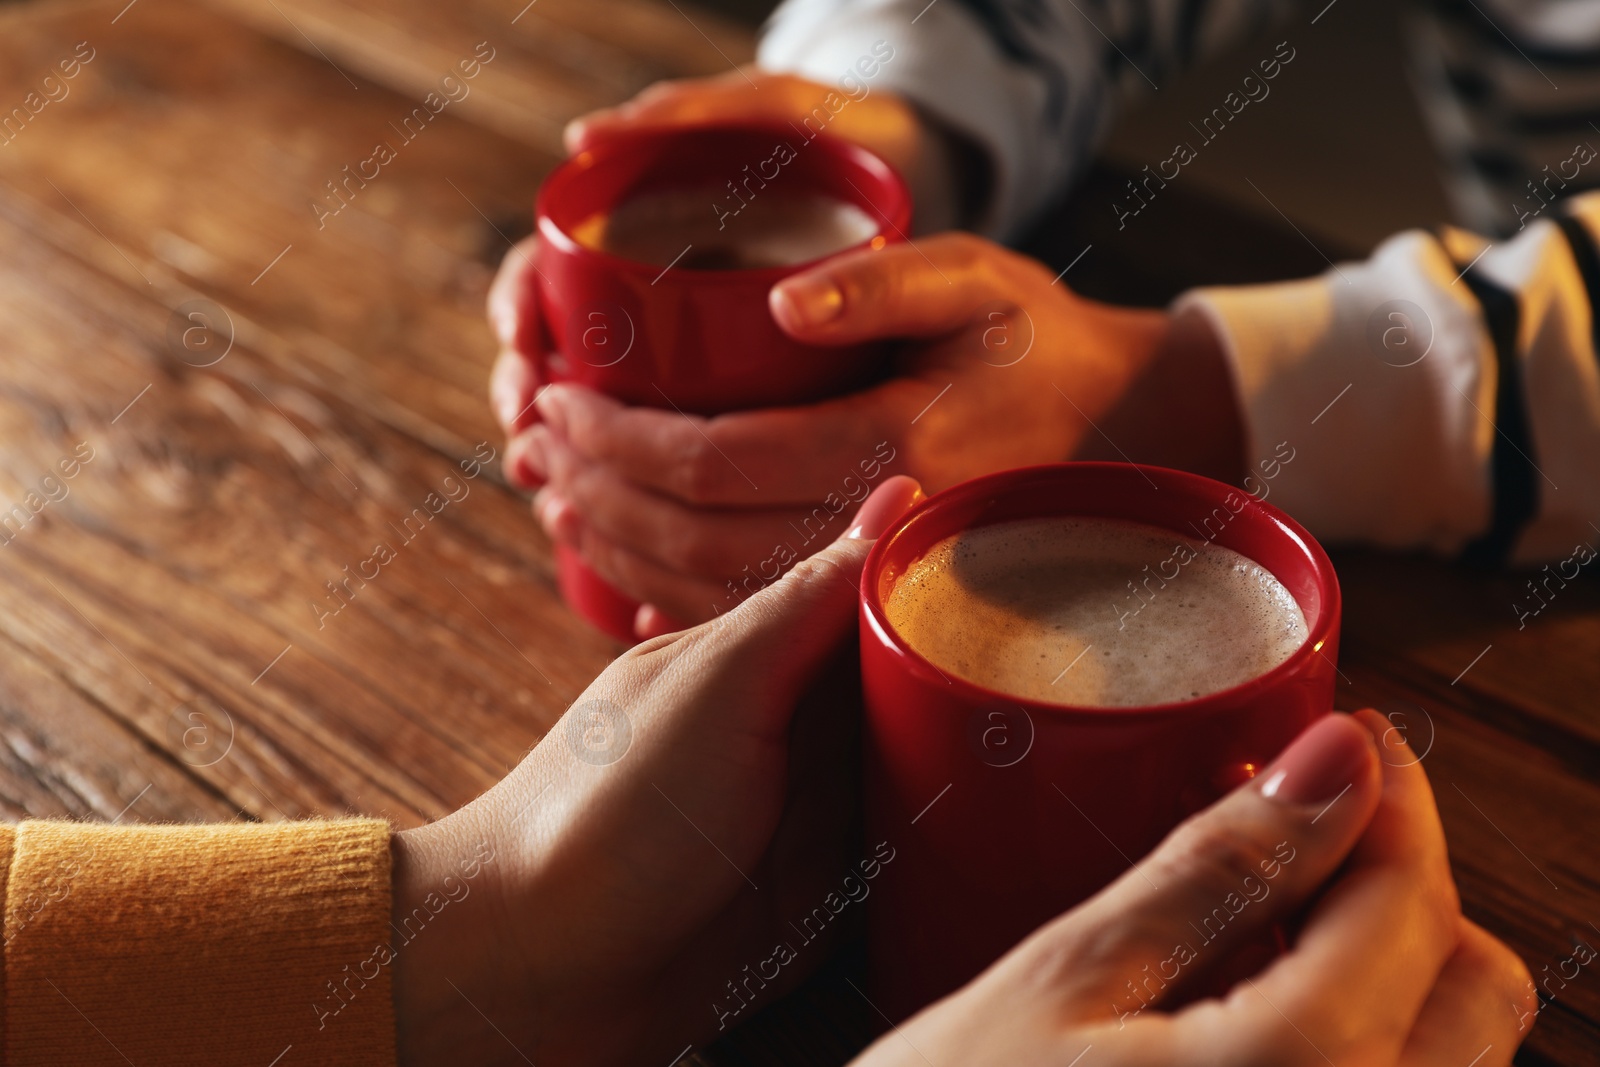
1443 394
1034 83
1511 91
1509 88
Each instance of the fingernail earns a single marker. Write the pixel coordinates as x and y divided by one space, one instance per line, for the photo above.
572 136
805 301
504 323
558 517
548 402
650 621
883 506
643 621
506 408
526 455
1327 758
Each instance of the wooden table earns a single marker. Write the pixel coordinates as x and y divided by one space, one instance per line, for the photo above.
169 645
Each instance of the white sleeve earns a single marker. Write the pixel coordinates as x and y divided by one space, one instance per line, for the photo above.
1442 394
1034 83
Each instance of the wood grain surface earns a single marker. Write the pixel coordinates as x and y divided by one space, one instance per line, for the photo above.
179 638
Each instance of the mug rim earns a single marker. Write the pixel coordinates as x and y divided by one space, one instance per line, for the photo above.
1318 632
572 169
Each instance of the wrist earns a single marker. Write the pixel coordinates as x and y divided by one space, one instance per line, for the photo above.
442 943
1177 407
490 942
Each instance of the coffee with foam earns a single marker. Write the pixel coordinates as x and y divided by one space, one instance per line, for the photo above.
689 229
1094 612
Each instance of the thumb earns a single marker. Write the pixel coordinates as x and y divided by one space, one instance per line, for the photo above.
786 632
1219 881
926 289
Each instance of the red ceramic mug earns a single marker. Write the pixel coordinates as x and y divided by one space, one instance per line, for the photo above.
699 341
1004 812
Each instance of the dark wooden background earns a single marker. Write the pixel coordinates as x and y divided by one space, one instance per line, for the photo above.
160 657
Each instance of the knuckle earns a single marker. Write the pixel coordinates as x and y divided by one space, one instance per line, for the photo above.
1065 949
657 91
1216 857
610 563
817 573
966 249
697 471
1438 906
966 253
686 547
812 571
642 655
866 284
512 372
1278 1046
1503 973
1514 981
1345 1036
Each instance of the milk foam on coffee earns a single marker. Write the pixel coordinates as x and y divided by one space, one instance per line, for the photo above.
770 230
1094 612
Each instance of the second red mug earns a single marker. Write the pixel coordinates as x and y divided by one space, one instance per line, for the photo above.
699 341
1003 812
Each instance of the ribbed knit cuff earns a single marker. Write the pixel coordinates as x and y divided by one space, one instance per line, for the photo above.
231 944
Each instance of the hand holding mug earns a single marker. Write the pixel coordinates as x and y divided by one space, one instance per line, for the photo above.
657 250
879 120
615 909
1385 970
655 844
1001 366
876 119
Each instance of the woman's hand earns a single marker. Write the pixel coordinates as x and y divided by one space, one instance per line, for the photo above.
875 118
625 877
1384 971
595 906
655 843
1003 366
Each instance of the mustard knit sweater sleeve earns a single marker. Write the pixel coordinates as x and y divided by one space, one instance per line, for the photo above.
238 944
